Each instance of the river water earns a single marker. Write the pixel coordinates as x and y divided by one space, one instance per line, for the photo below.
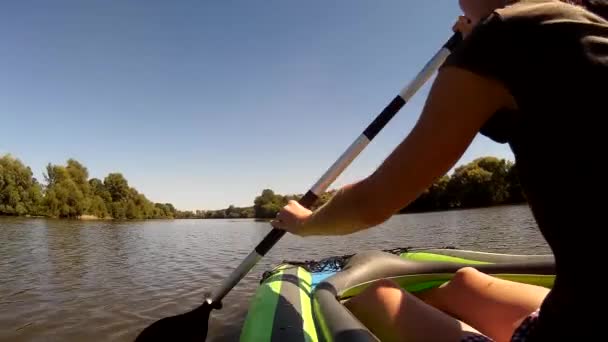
63 280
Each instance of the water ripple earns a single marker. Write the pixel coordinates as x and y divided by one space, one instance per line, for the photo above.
105 281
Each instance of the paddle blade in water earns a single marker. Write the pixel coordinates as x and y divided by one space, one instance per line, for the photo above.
189 326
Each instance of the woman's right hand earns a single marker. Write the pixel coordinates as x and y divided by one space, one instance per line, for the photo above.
292 218
463 25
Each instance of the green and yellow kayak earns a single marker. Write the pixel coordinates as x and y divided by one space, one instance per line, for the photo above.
303 301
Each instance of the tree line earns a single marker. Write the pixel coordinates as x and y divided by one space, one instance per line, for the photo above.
67 192
265 206
484 182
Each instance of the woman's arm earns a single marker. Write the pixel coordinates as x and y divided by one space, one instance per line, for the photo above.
458 104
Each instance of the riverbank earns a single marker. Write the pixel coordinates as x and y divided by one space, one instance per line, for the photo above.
82 218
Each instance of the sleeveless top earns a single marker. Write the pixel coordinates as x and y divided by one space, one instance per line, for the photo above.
553 59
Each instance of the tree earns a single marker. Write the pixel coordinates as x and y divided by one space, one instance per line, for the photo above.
164 210
268 204
436 197
117 186
470 186
171 211
20 193
499 186
231 212
97 207
482 182
79 175
70 193
248 213
65 196
98 189
188 214
133 211
118 210
218 214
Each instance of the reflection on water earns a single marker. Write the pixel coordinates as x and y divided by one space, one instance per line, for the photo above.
71 281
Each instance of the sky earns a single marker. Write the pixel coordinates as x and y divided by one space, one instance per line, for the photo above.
204 104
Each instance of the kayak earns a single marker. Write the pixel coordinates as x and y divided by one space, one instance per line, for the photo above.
303 301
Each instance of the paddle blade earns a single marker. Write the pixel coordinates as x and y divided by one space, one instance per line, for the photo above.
189 326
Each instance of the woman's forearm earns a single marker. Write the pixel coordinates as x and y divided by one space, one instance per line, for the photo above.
345 213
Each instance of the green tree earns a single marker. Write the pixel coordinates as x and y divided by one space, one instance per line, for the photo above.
79 175
20 193
470 186
99 189
65 196
218 214
70 193
98 207
499 187
268 204
133 212
117 186
188 214
164 210
231 211
248 213
146 206
483 182
118 210
119 190
436 197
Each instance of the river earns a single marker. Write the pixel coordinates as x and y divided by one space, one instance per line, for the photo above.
64 280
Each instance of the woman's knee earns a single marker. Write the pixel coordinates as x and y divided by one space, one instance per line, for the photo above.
382 288
380 291
467 277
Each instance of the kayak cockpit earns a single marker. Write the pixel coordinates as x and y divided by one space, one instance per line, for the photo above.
294 304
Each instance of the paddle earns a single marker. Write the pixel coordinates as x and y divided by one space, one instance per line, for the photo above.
193 325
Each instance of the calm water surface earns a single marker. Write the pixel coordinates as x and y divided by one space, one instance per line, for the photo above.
104 281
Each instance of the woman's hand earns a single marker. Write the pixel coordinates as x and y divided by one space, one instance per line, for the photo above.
292 218
464 25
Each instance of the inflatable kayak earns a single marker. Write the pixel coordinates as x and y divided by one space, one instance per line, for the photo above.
303 301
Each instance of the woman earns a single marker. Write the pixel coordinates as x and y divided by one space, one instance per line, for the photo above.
532 74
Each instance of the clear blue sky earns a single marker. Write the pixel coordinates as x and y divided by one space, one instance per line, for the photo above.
205 103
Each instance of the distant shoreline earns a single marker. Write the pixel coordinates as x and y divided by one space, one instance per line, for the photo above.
69 193
256 219
83 218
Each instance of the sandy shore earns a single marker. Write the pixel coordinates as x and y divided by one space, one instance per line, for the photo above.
89 217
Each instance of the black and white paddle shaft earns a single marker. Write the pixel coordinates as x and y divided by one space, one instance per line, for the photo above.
193 324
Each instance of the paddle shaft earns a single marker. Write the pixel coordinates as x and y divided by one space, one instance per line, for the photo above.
341 164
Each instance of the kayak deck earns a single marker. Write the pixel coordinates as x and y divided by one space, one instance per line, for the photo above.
292 303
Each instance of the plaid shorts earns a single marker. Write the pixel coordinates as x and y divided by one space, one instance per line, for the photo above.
519 335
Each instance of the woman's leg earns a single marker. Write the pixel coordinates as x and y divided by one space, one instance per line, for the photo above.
395 315
493 306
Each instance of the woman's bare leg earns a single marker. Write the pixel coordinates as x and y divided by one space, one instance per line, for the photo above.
493 306
395 315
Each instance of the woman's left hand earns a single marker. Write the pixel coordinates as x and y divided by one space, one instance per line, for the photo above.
292 218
